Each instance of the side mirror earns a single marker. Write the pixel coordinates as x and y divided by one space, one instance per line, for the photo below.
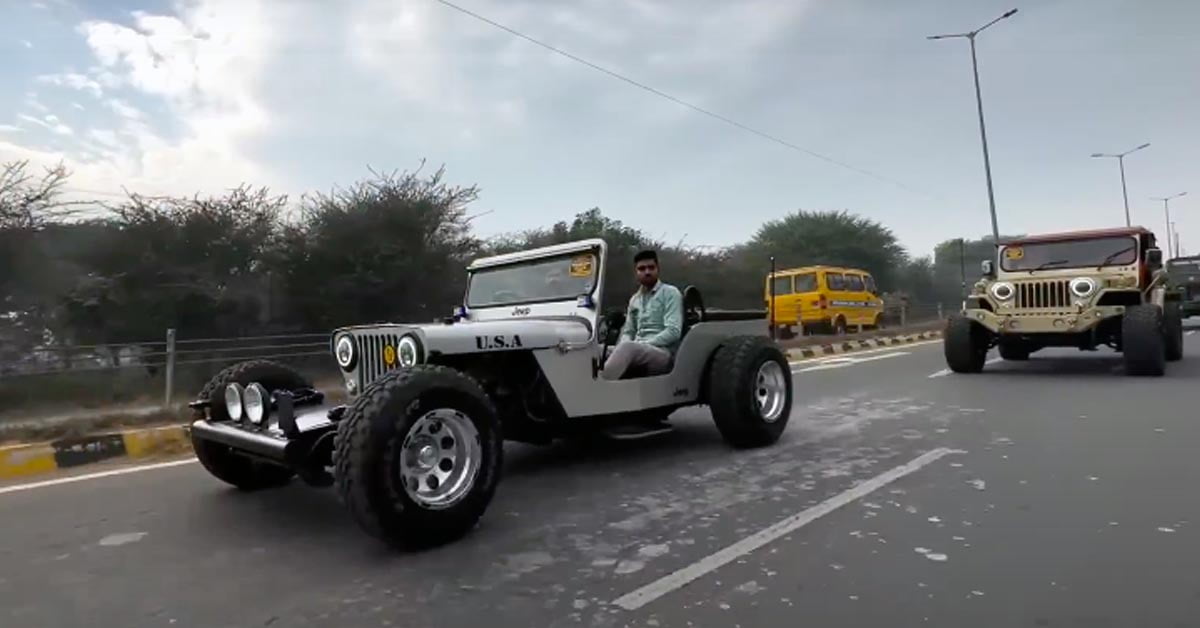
988 268
1154 257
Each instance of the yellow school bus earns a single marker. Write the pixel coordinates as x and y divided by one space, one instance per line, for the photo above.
823 299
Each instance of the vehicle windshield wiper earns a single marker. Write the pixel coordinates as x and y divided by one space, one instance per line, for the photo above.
1114 255
1045 265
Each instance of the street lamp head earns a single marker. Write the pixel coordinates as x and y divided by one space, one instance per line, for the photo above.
1009 14
1142 146
1099 155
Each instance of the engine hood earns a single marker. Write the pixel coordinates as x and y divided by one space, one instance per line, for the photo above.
494 335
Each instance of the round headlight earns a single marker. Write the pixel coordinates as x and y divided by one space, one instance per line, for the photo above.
1083 286
1002 291
233 401
343 351
408 351
256 400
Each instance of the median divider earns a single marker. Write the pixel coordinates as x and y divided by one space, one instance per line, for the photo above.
850 346
22 460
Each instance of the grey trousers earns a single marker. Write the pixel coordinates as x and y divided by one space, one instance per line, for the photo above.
656 359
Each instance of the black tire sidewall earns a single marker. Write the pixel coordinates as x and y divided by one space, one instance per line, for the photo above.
732 391
376 425
1173 328
1143 341
962 347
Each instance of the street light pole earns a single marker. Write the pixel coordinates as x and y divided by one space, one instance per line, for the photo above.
1121 160
1170 225
987 164
962 266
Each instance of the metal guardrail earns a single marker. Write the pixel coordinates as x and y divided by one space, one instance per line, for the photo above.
163 354
173 352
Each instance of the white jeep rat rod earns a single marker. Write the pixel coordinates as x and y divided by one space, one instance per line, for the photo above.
416 455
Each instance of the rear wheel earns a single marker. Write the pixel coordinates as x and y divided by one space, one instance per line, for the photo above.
418 456
1143 341
223 462
750 391
965 345
1173 326
1014 351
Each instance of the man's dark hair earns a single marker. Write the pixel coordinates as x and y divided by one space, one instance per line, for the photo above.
646 255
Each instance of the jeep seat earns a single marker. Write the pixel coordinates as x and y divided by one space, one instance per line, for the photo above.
693 309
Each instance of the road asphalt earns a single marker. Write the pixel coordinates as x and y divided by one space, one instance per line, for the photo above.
1055 492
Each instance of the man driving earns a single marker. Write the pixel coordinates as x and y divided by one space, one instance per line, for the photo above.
653 323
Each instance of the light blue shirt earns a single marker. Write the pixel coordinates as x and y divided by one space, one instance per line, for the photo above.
655 317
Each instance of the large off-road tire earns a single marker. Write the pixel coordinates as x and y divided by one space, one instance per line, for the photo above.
220 460
1143 341
750 391
1014 351
1173 326
406 427
965 345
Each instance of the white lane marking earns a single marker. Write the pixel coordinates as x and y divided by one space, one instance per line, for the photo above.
671 582
849 361
94 476
945 372
114 540
852 353
1190 332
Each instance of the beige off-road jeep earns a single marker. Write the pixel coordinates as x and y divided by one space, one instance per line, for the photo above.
1078 289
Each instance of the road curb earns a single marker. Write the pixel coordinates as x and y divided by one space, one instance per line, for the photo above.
41 458
851 346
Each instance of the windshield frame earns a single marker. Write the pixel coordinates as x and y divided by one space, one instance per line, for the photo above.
597 270
1134 241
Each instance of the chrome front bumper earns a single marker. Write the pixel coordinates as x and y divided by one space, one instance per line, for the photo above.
271 442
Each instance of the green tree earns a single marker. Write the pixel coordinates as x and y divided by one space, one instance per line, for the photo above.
32 271
389 248
193 264
952 261
828 237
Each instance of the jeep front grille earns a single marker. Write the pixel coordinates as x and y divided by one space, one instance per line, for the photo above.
1043 294
370 355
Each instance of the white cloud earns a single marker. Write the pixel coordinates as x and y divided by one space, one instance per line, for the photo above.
204 64
73 80
9 128
50 122
26 43
213 67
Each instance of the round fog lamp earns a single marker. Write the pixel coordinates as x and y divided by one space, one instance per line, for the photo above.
256 401
233 401
343 351
1002 291
407 350
1083 287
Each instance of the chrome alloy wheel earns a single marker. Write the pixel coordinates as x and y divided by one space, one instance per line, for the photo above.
440 458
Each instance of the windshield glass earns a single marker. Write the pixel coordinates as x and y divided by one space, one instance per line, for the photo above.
1114 251
556 278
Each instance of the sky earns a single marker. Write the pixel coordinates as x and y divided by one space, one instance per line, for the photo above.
200 96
